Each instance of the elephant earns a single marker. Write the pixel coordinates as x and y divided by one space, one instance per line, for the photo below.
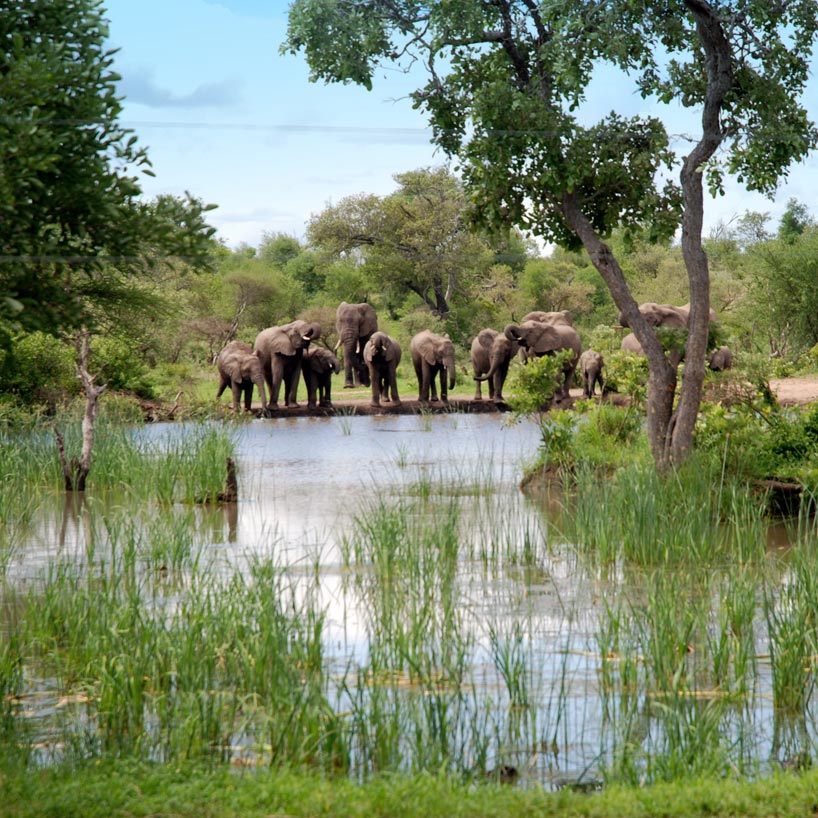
382 355
355 324
590 367
318 364
240 368
491 354
631 344
660 315
562 317
281 350
720 359
665 315
539 339
433 356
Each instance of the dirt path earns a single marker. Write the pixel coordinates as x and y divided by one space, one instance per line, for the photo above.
795 391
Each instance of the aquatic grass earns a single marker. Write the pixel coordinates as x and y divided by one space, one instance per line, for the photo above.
692 515
791 614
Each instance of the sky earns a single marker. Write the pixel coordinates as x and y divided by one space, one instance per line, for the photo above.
226 117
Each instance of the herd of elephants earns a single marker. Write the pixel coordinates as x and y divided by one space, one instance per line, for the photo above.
282 355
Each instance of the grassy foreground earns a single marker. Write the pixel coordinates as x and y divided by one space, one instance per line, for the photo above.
133 791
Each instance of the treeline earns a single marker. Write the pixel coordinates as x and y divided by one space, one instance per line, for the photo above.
413 256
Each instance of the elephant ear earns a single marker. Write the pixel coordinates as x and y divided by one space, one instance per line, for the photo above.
280 343
369 351
369 320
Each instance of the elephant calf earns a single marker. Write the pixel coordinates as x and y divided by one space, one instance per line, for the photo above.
382 355
240 369
491 354
318 365
590 367
432 357
720 359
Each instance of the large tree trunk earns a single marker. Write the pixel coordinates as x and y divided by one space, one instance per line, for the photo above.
76 470
718 63
661 372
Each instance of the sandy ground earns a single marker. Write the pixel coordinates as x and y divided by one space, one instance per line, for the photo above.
795 391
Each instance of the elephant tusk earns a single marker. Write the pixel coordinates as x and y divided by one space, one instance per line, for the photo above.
306 337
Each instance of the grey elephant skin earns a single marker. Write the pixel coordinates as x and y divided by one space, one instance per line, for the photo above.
720 359
382 354
539 339
559 318
281 349
591 363
240 369
318 365
491 354
355 324
659 315
433 358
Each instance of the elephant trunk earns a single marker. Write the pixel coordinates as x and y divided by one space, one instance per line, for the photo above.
450 368
262 394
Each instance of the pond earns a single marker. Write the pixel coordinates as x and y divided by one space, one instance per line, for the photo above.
454 627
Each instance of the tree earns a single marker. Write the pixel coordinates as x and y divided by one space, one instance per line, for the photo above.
795 221
415 240
76 237
506 82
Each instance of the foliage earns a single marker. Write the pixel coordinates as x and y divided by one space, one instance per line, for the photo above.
414 241
531 387
73 228
38 368
784 285
506 85
626 374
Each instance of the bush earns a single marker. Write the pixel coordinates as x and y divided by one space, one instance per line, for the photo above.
39 369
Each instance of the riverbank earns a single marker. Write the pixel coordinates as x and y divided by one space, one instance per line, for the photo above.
138 791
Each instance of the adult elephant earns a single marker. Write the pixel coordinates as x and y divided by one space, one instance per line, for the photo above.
240 369
665 315
355 324
382 355
433 357
539 339
281 350
590 368
631 344
660 315
318 365
562 317
491 354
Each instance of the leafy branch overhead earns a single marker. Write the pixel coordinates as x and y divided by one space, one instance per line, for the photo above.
504 84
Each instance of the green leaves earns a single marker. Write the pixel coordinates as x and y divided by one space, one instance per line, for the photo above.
69 212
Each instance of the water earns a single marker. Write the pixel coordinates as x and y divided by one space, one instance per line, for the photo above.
530 609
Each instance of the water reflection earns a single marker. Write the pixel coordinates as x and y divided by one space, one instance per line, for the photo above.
535 649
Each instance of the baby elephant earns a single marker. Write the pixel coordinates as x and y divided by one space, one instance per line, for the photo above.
382 355
720 359
240 369
318 366
590 365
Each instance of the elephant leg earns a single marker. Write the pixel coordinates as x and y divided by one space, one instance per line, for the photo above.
392 386
236 390
433 375
277 376
291 386
223 384
248 397
325 390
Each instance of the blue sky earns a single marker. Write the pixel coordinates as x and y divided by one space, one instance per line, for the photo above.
226 117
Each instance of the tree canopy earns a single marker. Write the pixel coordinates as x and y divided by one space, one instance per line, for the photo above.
505 84
72 226
415 240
